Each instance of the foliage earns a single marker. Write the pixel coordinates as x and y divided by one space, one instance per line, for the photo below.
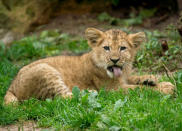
152 57
134 19
48 43
106 17
115 2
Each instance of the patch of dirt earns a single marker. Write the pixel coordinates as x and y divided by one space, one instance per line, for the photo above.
75 25
25 126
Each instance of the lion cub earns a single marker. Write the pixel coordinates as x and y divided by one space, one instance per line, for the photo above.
108 64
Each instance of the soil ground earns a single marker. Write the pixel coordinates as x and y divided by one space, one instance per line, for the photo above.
26 126
75 25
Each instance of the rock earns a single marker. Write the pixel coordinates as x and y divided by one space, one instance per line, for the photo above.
8 38
22 15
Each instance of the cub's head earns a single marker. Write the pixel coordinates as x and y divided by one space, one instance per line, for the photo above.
113 50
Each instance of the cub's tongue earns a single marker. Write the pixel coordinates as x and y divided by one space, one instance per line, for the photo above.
117 71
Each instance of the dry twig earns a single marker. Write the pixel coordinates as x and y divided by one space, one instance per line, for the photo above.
169 73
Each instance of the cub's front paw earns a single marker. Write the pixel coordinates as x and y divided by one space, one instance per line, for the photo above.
166 87
149 80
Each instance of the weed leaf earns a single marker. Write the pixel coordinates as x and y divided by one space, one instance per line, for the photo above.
93 101
114 128
76 92
118 104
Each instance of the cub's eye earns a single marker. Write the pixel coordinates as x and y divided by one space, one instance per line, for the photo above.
122 48
106 47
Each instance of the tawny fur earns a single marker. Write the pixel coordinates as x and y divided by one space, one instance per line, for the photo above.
54 76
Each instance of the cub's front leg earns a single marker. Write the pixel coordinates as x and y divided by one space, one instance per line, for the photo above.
151 80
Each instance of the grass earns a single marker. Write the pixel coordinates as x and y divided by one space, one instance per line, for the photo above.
140 109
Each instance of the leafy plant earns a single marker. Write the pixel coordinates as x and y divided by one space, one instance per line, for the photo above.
47 44
106 17
115 2
153 58
133 19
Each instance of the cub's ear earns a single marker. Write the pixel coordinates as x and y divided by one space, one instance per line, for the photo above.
94 36
136 39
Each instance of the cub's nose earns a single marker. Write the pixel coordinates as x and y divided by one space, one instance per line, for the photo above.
114 60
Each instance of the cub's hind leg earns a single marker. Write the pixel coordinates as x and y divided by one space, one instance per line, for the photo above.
40 81
51 84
